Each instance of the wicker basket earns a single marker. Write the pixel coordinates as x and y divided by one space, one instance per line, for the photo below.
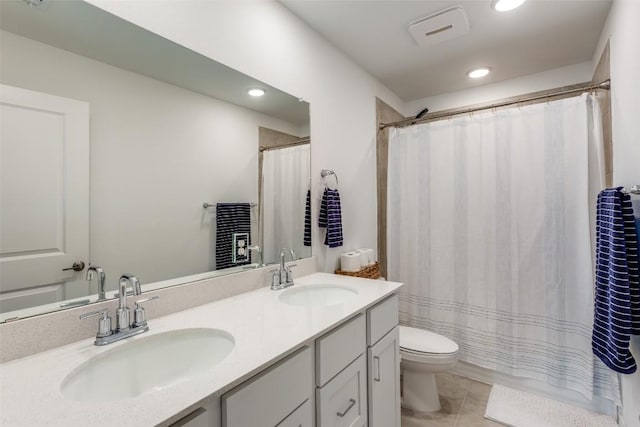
369 272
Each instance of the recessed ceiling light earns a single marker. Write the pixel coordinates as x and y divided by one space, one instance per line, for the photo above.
505 5
479 72
256 92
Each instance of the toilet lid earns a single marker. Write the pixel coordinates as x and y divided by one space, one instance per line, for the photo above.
419 340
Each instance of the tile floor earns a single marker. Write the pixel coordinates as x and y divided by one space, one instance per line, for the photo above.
463 404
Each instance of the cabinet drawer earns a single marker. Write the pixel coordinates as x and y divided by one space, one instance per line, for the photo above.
343 401
269 397
301 417
338 348
382 318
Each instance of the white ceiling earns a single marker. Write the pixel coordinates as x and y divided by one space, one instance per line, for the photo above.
538 36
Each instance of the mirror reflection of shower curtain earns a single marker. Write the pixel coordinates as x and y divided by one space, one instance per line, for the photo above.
488 226
285 174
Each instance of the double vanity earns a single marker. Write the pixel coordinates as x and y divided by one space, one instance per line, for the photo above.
323 352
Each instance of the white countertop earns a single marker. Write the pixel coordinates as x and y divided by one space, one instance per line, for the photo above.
264 329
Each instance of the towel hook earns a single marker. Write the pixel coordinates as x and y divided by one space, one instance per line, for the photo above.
324 173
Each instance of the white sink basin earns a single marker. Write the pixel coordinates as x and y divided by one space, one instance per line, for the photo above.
148 364
317 295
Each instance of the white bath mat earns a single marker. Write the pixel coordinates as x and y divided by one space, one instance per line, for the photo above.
519 409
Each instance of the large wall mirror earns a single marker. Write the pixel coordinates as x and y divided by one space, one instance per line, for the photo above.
123 150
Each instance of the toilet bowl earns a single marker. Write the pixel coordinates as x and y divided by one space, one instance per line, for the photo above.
422 355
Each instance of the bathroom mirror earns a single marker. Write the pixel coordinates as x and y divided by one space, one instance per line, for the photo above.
114 140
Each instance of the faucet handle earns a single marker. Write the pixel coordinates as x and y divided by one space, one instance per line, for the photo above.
104 323
275 278
138 313
289 274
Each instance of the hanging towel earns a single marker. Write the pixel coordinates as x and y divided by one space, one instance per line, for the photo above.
233 234
331 217
307 220
617 285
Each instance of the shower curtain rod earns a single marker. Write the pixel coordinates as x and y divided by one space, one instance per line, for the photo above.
439 115
301 141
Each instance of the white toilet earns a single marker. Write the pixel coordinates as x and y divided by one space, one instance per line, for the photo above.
423 354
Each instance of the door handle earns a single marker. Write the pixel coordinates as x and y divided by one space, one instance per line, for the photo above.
376 368
77 266
351 403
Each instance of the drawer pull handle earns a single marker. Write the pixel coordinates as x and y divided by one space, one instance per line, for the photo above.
376 364
351 403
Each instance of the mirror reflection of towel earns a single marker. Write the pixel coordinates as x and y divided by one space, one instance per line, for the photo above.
331 217
307 220
232 218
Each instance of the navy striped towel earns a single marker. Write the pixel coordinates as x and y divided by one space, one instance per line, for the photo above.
331 217
307 220
233 233
617 287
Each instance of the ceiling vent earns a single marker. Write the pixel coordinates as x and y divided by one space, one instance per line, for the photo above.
439 27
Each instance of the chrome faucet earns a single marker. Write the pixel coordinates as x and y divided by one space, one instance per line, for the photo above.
122 313
124 327
101 280
282 278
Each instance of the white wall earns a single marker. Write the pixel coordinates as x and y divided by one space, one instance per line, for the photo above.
624 33
264 40
558 77
157 152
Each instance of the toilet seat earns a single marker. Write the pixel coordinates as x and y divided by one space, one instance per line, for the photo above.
418 342
432 359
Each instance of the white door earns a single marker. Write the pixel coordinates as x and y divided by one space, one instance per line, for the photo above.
44 196
384 381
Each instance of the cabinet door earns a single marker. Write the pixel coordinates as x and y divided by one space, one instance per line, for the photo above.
342 402
384 381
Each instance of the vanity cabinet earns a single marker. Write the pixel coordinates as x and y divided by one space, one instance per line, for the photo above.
354 370
383 358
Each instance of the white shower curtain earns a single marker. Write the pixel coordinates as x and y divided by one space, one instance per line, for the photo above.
285 181
488 226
